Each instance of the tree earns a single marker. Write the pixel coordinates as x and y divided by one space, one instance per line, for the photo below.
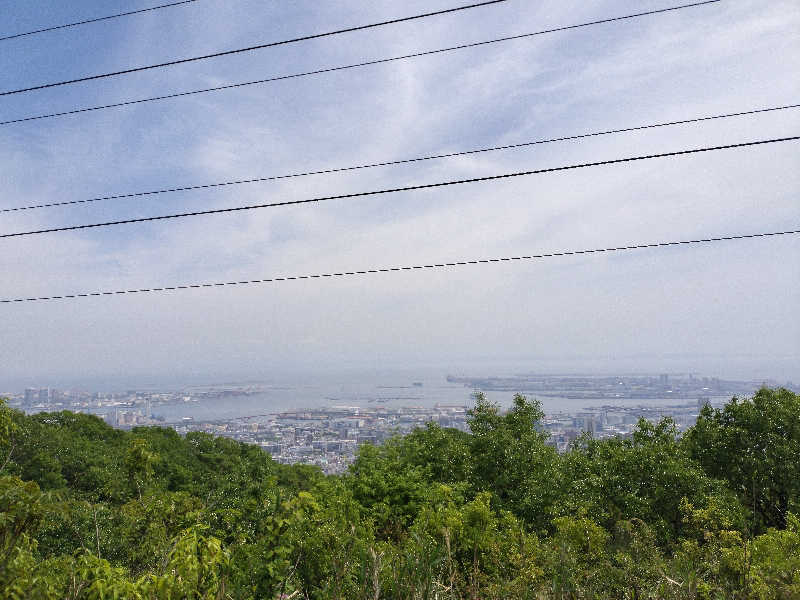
754 445
444 453
511 459
644 477
776 562
23 509
140 465
390 490
8 432
439 513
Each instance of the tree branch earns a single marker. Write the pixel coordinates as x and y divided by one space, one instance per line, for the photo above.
8 458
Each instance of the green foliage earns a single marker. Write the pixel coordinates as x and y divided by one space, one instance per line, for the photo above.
444 454
711 559
511 459
776 562
754 445
146 527
196 568
578 558
139 465
645 477
23 507
9 430
390 490
65 450
89 512
265 565
335 555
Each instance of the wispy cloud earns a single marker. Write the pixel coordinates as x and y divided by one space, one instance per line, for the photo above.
699 302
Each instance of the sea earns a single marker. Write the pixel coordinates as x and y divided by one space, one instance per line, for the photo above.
390 389
424 387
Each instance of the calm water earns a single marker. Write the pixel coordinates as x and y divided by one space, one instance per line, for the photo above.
390 390
354 388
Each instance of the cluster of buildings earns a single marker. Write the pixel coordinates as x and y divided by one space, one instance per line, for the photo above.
119 409
41 397
327 437
610 420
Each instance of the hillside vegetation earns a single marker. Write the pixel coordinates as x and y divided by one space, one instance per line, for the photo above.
90 512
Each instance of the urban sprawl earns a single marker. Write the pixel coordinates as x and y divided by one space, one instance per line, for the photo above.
329 437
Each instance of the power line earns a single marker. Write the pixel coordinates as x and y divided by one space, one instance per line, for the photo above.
401 161
407 268
345 67
400 189
252 48
86 22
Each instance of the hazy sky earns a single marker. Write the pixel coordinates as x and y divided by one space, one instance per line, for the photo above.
724 309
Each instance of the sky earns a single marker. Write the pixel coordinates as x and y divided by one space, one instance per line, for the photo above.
728 309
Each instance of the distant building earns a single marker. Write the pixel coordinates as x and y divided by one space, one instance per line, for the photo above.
273 449
588 423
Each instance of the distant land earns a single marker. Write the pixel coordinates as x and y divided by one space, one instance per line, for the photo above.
615 387
322 422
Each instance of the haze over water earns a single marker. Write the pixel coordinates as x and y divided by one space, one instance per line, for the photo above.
366 389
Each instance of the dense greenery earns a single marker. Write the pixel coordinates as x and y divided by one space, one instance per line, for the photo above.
87 511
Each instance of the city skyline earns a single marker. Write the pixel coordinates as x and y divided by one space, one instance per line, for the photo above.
326 431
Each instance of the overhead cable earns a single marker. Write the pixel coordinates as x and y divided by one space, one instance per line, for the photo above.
87 21
345 67
186 188
400 189
250 48
406 268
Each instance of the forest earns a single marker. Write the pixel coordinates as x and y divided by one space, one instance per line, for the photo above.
91 512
